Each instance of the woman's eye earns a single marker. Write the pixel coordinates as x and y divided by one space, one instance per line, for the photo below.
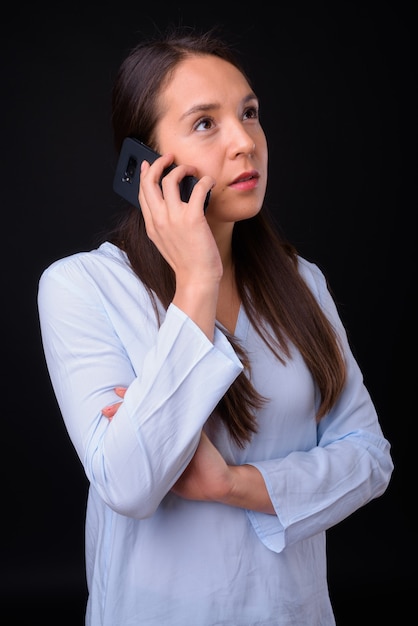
204 124
251 113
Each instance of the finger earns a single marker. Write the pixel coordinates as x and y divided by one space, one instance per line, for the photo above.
150 176
202 189
120 391
111 410
150 195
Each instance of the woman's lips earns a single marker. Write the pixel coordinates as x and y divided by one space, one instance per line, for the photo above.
246 181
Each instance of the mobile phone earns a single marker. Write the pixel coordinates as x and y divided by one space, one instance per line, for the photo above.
126 179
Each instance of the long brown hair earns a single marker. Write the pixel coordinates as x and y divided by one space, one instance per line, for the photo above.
276 299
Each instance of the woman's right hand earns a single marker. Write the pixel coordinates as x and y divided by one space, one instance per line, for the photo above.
182 234
179 229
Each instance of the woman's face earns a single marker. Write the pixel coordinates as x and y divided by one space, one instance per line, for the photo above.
210 120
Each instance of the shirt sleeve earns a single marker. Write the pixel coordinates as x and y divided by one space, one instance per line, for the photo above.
175 377
313 490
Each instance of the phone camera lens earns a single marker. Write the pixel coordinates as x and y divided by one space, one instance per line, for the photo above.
130 170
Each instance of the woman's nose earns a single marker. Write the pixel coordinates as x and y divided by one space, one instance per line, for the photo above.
242 142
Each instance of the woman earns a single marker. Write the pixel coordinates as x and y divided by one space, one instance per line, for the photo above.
236 427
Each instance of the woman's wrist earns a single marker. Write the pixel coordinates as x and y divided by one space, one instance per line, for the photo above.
248 490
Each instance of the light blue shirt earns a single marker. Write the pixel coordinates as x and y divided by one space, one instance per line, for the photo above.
153 558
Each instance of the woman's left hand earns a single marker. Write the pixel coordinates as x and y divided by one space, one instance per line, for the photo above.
209 478
109 411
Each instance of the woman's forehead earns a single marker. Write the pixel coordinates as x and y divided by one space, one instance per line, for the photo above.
204 79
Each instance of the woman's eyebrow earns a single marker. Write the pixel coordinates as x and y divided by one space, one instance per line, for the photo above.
209 106
200 108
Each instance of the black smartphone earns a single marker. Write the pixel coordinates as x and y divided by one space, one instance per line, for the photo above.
126 179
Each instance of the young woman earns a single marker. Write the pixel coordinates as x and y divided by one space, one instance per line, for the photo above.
203 372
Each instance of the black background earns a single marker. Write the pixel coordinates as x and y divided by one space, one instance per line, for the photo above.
337 87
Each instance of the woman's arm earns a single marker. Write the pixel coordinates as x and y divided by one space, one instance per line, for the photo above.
99 329
209 478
